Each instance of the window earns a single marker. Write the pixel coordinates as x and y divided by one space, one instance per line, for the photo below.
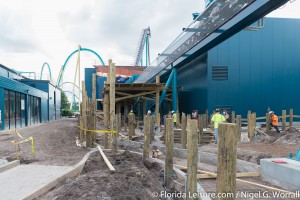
219 73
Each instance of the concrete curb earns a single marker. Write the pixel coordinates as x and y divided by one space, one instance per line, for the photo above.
74 171
9 165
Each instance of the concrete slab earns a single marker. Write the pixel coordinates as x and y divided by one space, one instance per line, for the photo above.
9 165
286 176
21 181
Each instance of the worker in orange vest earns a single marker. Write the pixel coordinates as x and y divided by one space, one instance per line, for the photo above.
274 121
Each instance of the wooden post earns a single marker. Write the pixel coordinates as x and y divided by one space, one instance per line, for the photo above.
131 131
84 106
94 87
201 125
249 124
139 111
206 118
226 171
106 117
183 131
157 119
239 126
267 123
112 73
152 129
125 116
169 152
120 123
192 159
144 108
291 117
233 117
91 125
80 137
147 122
283 120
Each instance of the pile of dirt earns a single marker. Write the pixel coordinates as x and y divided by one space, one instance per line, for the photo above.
291 136
132 180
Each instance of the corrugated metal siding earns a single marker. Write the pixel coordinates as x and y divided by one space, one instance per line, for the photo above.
263 68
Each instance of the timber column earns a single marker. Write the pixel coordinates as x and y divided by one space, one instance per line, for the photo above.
112 74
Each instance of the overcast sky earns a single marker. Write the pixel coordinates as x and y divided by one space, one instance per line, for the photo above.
35 31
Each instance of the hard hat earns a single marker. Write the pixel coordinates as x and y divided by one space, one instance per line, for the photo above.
149 112
217 110
271 112
131 110
173 111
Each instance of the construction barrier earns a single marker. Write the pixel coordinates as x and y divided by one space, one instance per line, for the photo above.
16 143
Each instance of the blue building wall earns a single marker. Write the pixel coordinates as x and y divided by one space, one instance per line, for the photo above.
53 103
263 69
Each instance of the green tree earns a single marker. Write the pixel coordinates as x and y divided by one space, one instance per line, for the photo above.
65 104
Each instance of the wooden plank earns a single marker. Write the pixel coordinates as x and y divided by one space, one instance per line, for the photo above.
169 152
109 165
192 157
238 175
227 148
260 118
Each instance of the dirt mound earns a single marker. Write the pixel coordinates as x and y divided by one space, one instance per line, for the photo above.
289 138
132 180
292 130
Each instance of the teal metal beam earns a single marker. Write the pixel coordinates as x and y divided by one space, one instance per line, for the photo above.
49 69
169 81
174 90
67 60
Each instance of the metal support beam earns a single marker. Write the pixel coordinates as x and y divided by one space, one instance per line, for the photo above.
163 94
174 92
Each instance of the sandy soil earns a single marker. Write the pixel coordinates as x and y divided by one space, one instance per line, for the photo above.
132 180
54 144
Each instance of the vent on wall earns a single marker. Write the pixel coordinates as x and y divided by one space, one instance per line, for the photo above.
219 73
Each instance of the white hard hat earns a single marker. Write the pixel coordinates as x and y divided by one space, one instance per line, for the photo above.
271 112
173 111
131 110
149 112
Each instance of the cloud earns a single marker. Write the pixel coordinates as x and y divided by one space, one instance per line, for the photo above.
16 34
116 26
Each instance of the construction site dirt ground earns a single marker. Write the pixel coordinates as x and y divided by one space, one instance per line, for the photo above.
55 144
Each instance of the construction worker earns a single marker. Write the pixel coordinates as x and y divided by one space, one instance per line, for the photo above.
274 121
174 118
216 119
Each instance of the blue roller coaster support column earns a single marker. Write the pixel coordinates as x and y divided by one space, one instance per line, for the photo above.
147 51
174 92
163 94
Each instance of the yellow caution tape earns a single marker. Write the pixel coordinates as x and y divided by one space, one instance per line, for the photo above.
26 140
19 134
99 131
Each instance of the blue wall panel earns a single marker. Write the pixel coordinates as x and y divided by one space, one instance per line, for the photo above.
264 67
88 79
193 80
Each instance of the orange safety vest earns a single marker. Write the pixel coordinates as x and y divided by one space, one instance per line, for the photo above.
275 120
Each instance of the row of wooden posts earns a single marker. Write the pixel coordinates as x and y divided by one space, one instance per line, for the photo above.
228 137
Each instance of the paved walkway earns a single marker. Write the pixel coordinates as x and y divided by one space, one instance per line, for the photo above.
22 181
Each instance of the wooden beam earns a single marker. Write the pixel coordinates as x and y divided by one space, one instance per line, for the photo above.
106 118
134 95
201 126
109 165
268 123
238 175
283 120
131 131
239 127
169 152
192 157
227 148
232 116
